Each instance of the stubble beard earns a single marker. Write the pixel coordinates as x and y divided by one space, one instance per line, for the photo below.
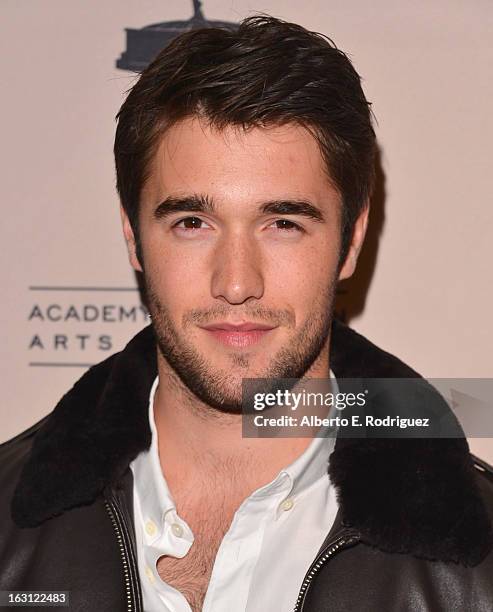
220 389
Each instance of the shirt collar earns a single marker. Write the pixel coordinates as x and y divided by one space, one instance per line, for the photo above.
311 465
153 492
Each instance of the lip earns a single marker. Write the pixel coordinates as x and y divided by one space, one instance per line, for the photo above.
240 335
237 327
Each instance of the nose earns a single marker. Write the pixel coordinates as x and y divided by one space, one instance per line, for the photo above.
237 274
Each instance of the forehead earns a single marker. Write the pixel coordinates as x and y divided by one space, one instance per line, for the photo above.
235 163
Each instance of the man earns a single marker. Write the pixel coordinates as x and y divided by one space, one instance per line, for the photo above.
245 165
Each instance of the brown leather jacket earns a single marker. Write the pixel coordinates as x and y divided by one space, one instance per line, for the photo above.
413 532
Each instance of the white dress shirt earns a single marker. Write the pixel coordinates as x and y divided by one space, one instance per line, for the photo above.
273 538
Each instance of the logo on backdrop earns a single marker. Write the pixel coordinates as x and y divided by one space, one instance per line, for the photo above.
79 326
144 44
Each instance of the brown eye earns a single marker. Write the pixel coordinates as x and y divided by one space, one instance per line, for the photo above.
190 223
287 225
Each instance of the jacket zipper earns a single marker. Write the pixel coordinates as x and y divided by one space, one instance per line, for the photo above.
133 602
335 546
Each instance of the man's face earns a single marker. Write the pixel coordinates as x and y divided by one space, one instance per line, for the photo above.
239 227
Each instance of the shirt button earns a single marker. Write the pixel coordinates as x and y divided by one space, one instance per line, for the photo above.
149 574
287 504
151 528
177 530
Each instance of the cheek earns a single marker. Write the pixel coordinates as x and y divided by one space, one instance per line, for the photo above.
301 281
307 270
176 277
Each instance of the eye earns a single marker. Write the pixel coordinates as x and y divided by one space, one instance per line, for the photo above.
190 223
288 226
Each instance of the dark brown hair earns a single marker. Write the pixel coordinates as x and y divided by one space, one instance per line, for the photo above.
267 72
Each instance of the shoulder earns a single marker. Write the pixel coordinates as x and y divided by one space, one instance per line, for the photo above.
14 454
19 445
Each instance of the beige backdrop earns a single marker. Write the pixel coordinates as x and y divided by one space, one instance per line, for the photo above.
424 289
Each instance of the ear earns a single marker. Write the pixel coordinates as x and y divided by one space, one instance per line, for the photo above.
130 240
357 239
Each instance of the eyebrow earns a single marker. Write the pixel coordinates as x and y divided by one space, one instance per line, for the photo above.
203 203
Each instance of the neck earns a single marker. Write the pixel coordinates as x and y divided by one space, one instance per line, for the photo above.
194 438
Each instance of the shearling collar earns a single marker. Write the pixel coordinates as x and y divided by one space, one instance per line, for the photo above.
414 496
